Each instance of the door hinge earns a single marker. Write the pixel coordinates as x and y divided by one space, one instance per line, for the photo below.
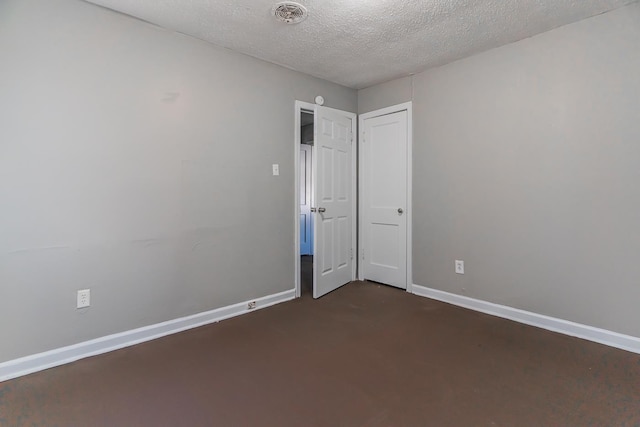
351 253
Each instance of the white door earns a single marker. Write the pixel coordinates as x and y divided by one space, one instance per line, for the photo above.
333 198
306 231
384 146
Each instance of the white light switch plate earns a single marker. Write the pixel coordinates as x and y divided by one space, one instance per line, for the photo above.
276 169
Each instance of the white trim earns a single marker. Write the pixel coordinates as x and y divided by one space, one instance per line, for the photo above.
405 106
354 189
408 107
354 195
60 356
590 333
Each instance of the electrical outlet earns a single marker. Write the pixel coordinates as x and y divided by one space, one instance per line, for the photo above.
251 305
459 266
84 298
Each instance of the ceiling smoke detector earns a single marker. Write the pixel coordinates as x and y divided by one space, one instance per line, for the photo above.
290 12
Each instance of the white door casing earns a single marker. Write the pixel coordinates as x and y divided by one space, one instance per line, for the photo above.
334 199
306 200
385 208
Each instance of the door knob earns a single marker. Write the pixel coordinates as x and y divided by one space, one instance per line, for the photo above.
313 209
321 210
400 211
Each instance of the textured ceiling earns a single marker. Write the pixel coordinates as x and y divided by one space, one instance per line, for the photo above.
359 43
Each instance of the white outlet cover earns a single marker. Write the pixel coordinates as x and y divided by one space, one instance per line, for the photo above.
84 298
459 266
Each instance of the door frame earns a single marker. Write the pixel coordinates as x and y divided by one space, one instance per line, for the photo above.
299 106
408 107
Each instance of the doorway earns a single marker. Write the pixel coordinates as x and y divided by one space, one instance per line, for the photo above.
327 233
306 201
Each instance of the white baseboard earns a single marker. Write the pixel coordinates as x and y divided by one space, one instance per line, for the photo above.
602 336
49 359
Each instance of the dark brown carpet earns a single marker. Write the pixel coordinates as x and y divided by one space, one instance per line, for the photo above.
365 355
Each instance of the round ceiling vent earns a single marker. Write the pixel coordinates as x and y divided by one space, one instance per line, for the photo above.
290 12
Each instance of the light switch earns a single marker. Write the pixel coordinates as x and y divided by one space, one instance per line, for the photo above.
276 169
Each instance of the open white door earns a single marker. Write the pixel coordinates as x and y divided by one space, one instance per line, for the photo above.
383 149
333 177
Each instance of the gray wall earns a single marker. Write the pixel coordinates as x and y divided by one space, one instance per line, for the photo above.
384 95
527 167
137 162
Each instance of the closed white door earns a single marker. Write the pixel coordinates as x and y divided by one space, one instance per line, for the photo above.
384 146
333 200
306 224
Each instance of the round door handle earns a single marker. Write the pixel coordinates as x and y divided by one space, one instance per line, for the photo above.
400 211
321 210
